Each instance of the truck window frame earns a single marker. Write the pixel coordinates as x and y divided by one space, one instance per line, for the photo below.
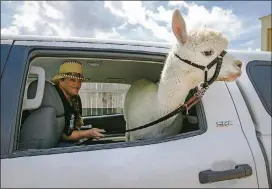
77 52
260 93
6 46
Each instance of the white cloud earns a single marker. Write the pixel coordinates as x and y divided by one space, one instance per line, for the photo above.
29 17
217 18
104 35
198 16
65 19
10 30
32 17
136 14
113 7
118 19
179 3
249 43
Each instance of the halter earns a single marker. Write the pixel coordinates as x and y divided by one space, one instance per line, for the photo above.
217 60
198 91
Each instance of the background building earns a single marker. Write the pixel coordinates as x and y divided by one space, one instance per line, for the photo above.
266 33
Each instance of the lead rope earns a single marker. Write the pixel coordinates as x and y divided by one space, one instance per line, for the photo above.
186 106
200 90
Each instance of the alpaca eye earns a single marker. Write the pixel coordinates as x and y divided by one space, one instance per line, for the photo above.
208 53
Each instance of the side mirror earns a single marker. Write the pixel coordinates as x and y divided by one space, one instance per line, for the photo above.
29 104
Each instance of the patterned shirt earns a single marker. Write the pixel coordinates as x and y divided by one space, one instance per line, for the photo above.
73 112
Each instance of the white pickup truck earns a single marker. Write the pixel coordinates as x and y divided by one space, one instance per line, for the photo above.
229 146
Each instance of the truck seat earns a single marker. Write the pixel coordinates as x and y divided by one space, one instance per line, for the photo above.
43 126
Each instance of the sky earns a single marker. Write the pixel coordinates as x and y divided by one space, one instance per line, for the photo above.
135 20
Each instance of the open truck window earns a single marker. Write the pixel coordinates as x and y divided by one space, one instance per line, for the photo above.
102 98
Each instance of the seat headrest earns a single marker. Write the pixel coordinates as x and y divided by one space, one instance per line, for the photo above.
51 97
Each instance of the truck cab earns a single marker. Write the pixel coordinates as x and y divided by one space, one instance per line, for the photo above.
227 145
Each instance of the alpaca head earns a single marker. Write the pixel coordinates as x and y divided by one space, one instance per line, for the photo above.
202 47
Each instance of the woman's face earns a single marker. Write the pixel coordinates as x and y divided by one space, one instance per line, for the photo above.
71 86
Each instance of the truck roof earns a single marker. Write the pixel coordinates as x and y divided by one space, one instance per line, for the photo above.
84 40
165 45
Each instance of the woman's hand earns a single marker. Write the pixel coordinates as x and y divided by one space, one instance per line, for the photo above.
95 133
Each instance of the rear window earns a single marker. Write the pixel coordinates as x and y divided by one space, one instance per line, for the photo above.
260 74
100 99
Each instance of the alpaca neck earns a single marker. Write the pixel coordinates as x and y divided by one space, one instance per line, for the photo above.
175 84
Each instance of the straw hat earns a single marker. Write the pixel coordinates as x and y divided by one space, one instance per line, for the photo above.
69 69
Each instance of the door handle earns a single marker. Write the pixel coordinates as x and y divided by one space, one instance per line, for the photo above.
239 171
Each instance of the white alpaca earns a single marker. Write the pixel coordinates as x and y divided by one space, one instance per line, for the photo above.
147 101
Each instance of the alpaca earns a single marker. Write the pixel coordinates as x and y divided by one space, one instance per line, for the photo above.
146 101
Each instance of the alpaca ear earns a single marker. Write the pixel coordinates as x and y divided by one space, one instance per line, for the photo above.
179 26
